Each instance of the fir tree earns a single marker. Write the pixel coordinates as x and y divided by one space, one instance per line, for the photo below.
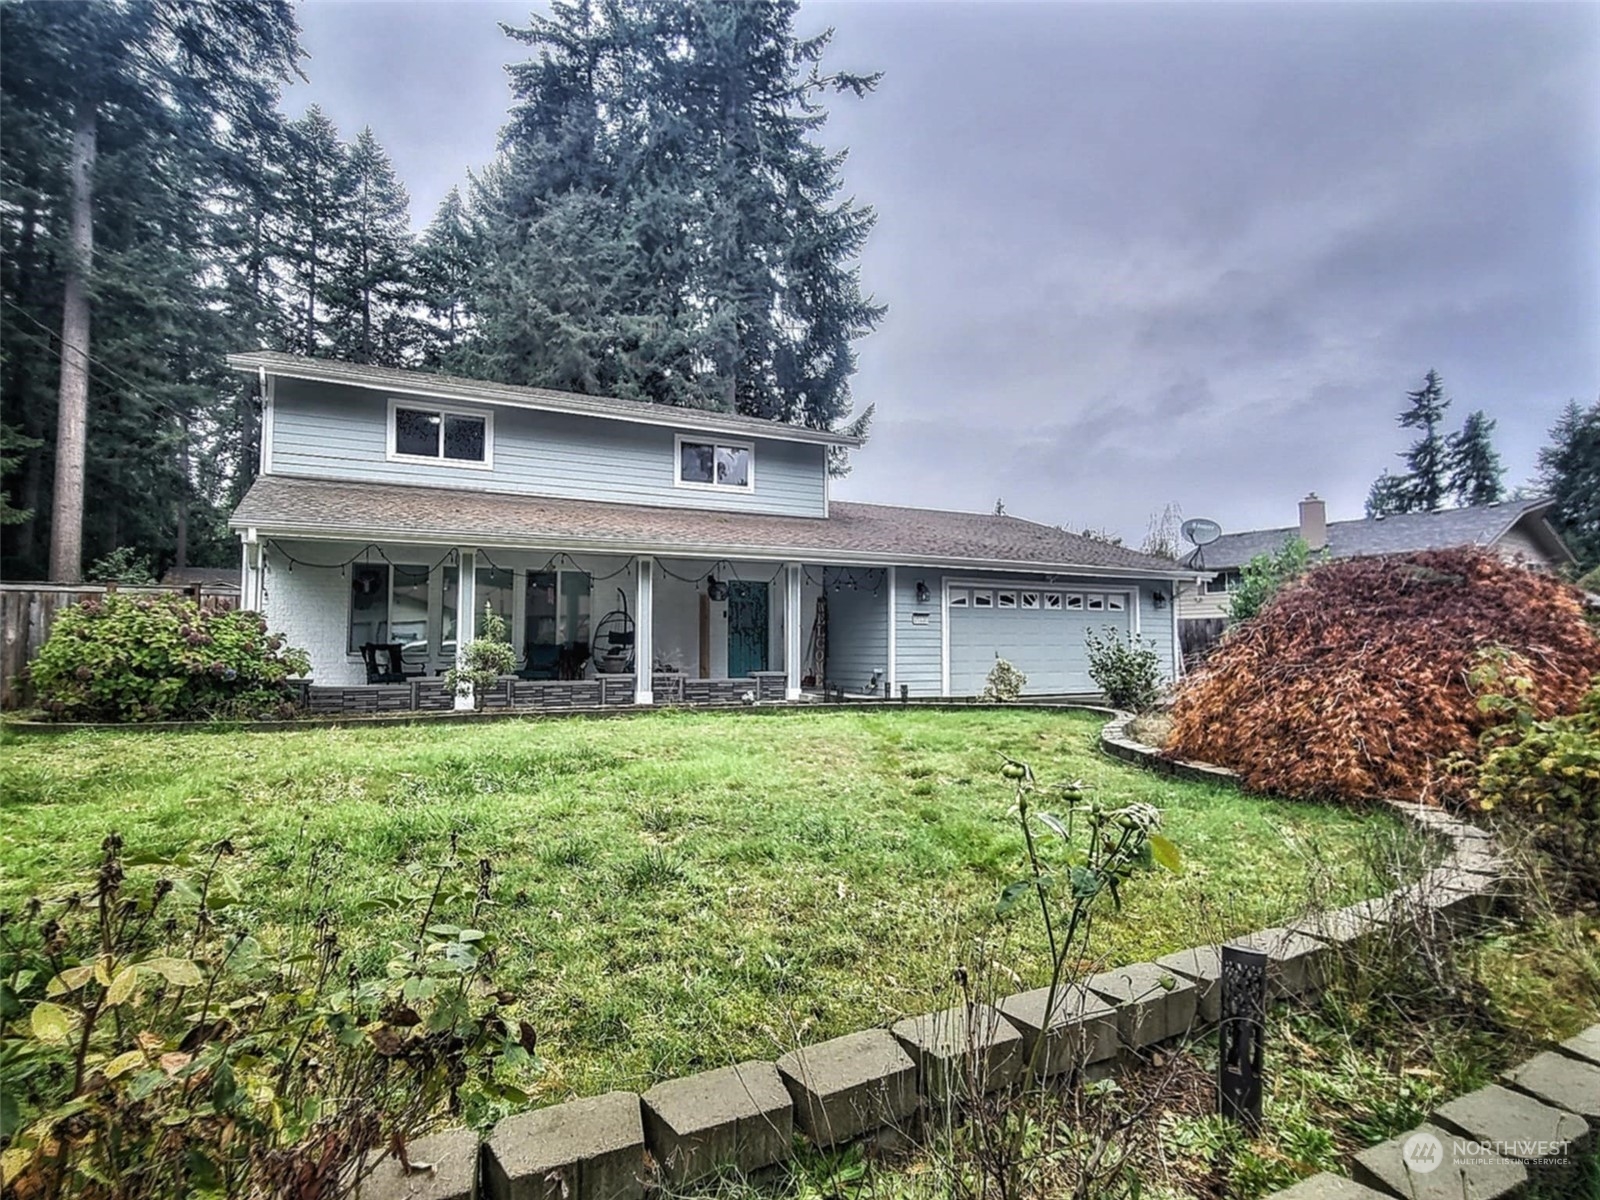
444 265
371 287
662 223
1569 473
1427 480
1388 495
313 225
158 97
1474 466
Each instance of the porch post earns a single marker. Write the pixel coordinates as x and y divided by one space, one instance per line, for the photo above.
466 612
644 654
891 670
794 572
250 575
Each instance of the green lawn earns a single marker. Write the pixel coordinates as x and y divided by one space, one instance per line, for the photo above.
675 890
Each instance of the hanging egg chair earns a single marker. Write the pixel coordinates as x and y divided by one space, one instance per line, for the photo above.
612 649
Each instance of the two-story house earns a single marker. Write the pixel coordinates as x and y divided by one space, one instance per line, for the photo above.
639 553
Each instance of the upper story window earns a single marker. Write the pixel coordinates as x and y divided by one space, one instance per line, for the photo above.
421 433
718 464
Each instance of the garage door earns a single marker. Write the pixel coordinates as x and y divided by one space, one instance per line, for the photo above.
1041 631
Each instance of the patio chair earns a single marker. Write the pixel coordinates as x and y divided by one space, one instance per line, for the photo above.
386 662
542 662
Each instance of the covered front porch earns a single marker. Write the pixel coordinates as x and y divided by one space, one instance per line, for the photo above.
588 630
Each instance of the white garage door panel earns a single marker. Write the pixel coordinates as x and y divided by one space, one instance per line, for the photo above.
1046 645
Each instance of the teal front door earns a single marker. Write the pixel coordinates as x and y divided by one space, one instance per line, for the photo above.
747 628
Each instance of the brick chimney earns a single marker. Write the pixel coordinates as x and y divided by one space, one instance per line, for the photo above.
1314 522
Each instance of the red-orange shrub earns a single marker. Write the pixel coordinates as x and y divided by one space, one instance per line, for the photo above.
1353 681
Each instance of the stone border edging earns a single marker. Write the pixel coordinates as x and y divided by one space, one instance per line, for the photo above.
877 1081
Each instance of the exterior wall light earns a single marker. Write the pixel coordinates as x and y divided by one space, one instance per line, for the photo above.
923 595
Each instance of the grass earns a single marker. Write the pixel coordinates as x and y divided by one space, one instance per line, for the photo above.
676 890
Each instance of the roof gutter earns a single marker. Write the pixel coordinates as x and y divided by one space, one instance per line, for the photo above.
371 533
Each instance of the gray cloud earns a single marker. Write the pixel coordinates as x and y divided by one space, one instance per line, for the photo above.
1140 253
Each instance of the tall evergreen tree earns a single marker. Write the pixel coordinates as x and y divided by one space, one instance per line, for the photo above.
1569 473
1476 476
371 289
119 131
443 272
1388 495
662 223
1427 478
312 219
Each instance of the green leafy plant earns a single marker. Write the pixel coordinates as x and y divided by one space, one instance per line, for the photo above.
122 565
1076 859
149 658
484 659
155 1045
1127 670
1546 771
1004 684
1264 576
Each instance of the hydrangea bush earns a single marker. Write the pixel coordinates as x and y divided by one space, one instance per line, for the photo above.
151 658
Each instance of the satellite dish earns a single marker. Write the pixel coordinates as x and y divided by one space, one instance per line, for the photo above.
1200 532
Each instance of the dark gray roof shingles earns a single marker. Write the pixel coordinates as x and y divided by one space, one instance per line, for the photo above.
380 512
1405 533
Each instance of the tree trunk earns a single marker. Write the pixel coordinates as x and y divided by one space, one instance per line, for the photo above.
72 417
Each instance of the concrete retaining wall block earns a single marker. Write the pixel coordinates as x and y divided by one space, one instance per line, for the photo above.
1082 1030
1297 964
1153 1003
849 1086
951 1046
1565 1082
1493 1114
1439 1176
451 1174
1585 1045
1201 966
739 1116
584 1150
1328 1187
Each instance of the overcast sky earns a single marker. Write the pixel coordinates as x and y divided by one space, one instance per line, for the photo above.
1145 253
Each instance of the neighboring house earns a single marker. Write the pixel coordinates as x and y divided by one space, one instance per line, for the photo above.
1514 529
392 505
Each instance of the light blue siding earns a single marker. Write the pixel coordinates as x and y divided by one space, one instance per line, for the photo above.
327 431
858 630
918 648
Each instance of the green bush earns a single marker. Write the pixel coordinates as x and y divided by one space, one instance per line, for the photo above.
1548 771
1128 672
151 658
484 659
122 565
1264 575
159 1042
1005 683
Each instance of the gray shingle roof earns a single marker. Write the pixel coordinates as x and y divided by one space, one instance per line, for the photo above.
456 387
1404 533
281 506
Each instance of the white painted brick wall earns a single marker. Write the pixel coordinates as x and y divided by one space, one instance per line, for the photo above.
309 606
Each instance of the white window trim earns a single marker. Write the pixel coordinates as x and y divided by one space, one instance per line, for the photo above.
479 414
353 654
678 480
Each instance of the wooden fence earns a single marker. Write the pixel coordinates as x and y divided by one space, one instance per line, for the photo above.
27 610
